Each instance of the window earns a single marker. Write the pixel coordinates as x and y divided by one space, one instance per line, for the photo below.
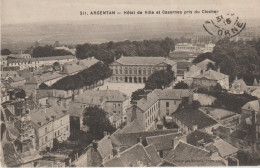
114 105
167 104
55 134
120 71
144 72
139 71
118 105
46 139
46 129
174 102
114 112
135 71
60 122
126 72
130 71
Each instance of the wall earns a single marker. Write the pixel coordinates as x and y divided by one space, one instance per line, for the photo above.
173 105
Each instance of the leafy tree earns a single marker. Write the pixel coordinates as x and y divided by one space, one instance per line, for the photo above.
181 85
136 95
195 104
55 144
211 66
20 94
202 57
160 79
48 51
5 51
96 119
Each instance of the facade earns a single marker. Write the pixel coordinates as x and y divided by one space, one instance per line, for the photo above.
138 69
24 63
238 87
143 114
50 123
113 102
211 78
185 47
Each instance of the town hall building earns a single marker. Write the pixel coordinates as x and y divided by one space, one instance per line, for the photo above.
137 69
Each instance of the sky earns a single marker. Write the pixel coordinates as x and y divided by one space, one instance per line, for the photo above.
35 11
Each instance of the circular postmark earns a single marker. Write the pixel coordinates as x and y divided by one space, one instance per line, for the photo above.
227 25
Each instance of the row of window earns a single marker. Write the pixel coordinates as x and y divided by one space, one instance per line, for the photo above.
150 114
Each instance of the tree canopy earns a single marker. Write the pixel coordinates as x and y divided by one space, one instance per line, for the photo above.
5 51
238 59
48 51
160 79
181 85
107 51
97 121
202 57
86 77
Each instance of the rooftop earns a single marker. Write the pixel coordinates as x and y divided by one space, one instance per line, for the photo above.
171 93
192 117
141 60
155 158
212 75
20 60
45 115
195 137
105 147
204 64
146 103
163 142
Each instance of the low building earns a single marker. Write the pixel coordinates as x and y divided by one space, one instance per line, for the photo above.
190 120
138 69
50 123
113 102
144 113
136 156
188 155
211 78
238 86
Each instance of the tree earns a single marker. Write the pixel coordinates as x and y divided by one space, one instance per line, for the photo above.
160 79
96 119
55 144
136 95
211 66
195 104
20 94
202 57
5 51
181 85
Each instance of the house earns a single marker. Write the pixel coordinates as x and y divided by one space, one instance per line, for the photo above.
16 81
170 99
96 153
50 123
144 113
190 120
188 155
4 94
124 140
137 69
211 78
164 143
136 156
196 70
113 102
224 117
256 93
238 86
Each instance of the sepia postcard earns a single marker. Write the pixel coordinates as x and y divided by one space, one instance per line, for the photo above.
130 83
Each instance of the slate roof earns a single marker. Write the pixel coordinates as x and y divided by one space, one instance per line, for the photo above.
71 68
41 59
183 65
146 103
212 75
203 64
163 142
88 62
134 126
43 115
44 77
198 135
192 117
130 139
155 158
169 94
253 105
133 157
223 148
139 60
105 147
16 78
188 155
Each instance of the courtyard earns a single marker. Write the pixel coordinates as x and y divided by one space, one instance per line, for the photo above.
126 88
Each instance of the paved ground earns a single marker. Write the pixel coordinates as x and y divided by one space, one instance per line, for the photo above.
126 88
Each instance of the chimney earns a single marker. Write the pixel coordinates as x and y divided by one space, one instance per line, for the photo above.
116 152
95 144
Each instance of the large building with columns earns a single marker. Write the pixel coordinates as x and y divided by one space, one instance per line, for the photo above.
138 69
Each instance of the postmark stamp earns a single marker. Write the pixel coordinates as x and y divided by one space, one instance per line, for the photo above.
228 25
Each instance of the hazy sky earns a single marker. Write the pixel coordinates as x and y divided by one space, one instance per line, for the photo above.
29 11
